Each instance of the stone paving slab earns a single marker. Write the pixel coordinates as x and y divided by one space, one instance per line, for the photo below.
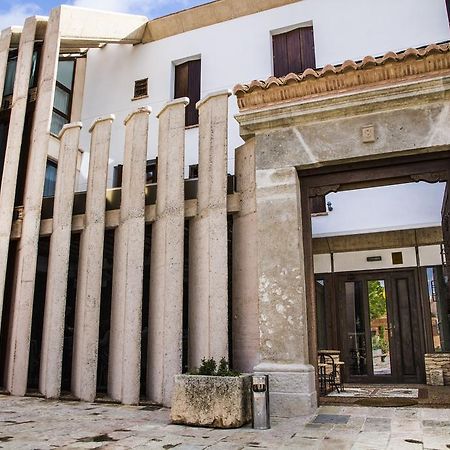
34 423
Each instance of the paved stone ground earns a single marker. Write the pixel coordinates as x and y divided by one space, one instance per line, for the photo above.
34 423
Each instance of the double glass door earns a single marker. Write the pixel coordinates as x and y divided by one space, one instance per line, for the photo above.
380 327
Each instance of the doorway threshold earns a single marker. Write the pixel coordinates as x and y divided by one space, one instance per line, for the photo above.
390 395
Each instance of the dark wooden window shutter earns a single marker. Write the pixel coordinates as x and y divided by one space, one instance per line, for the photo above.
141 88
293 51
187 84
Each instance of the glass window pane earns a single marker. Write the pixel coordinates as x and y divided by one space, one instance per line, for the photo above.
10 75
356 336
439 308
62 101
57 123
379 327
50 179
33 74
321 308
65 73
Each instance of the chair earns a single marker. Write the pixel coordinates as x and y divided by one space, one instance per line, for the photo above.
330 373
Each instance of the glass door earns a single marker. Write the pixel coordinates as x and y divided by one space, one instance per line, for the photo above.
367 326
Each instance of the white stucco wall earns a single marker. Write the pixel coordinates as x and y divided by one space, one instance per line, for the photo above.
413 205
241 50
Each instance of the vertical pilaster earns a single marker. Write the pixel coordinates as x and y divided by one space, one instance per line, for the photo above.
15 131
245 263
126 306
166 268
283 347
208 272
58 263
90 263
5 228
27 251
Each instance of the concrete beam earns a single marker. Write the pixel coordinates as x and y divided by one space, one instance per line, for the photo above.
124 368
165 330
58 264
87 310
81 27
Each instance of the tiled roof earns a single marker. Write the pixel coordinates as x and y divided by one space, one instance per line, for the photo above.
350 75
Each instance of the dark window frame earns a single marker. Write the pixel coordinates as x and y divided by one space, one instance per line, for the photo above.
318 204
67 91
187 83
140 88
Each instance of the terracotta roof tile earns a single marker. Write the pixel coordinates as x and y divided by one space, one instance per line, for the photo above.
348 75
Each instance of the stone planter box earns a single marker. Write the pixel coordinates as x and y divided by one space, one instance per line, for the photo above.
210 401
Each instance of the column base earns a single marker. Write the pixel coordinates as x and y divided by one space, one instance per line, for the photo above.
292 388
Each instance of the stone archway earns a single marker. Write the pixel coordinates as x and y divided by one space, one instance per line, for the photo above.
380 108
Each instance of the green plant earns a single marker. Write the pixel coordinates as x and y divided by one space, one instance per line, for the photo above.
209 366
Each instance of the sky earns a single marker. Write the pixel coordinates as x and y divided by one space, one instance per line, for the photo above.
13 12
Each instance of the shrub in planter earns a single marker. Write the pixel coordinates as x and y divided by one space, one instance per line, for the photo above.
212 397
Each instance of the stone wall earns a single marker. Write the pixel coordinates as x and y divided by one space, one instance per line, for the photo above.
437 361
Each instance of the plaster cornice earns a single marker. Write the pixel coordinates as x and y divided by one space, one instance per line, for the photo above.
392 68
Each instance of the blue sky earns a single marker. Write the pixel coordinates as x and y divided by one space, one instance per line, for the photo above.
13 12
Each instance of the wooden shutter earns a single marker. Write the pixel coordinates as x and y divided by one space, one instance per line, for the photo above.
187 84
293 51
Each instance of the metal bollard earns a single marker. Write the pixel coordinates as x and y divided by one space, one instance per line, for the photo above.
260 402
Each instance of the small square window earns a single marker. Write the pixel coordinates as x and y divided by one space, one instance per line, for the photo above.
141 88
397 258
193 171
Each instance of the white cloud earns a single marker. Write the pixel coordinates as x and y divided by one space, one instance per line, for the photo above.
16 14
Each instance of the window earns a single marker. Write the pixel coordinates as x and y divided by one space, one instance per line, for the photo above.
141 88
151 171
293 51
193 171
10 75
187 84
50 179
62 103
448 9
318 204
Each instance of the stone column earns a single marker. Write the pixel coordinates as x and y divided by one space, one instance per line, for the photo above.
5 42
124 368
90 263
58 264
27 251
245 325
14 142
283 327
208 272
165 329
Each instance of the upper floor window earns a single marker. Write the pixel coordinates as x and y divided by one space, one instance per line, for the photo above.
187 84
10 75
62 104
293 51
50 179
141 88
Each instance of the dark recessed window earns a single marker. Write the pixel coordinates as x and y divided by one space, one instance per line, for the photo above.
397 258
187 84
293 51
448 9
50 179
151 171
62 103
141 88
317 204
193 171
